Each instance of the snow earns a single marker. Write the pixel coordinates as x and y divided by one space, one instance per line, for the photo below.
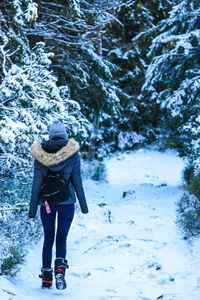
128 247
140 168
30 13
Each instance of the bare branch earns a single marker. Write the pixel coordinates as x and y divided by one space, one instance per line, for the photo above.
11 54
4 53
9 108
9 100
30 98
4 208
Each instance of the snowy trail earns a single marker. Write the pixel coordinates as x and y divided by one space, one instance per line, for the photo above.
128 246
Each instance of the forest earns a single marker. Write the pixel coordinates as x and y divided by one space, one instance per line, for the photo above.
120 75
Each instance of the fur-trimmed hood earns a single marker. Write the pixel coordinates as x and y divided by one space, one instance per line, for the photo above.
53 159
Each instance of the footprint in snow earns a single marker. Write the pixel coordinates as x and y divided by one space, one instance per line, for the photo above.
128 193
8 292
147 240
167 297
146 184
111 291
83 275
109 217
161 185
108 241
83 238
168 280
154 217
106 269
154 265
102 204
130 222
125 246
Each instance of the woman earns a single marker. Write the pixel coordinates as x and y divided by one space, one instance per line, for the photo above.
56 155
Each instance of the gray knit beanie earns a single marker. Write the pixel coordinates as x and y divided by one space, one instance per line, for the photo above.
57 130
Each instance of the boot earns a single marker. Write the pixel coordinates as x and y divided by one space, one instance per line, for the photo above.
59 271
47 277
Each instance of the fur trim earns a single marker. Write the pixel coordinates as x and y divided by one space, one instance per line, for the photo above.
51 159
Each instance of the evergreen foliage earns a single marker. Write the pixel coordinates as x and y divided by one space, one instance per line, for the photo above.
172 86
117 73
131 44
77 39
188 207
16 230
188 215
94 170
30 100
10 264
172 78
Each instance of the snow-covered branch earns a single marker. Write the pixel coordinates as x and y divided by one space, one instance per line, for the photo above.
4 54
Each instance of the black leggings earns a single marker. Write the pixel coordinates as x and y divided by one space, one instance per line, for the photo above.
65 216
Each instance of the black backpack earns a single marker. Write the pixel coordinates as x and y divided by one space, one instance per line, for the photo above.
54 189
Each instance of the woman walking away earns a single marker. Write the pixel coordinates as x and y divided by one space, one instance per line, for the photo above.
56 177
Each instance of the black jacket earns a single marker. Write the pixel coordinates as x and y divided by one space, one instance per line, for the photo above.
59 155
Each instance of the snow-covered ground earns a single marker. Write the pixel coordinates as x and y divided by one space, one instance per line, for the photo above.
128 246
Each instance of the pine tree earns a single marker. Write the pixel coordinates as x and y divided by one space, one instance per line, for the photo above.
172 78
30 100
30 97
131 40
74 31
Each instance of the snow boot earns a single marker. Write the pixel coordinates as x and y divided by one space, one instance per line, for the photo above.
59 271
47 277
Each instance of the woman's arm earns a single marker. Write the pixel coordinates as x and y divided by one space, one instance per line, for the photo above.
77 183
37 183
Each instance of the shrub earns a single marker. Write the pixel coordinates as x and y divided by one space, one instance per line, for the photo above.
194 186
16 230
188 174
10 262
188 215
94 170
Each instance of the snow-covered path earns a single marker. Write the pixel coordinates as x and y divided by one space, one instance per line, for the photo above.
128 246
